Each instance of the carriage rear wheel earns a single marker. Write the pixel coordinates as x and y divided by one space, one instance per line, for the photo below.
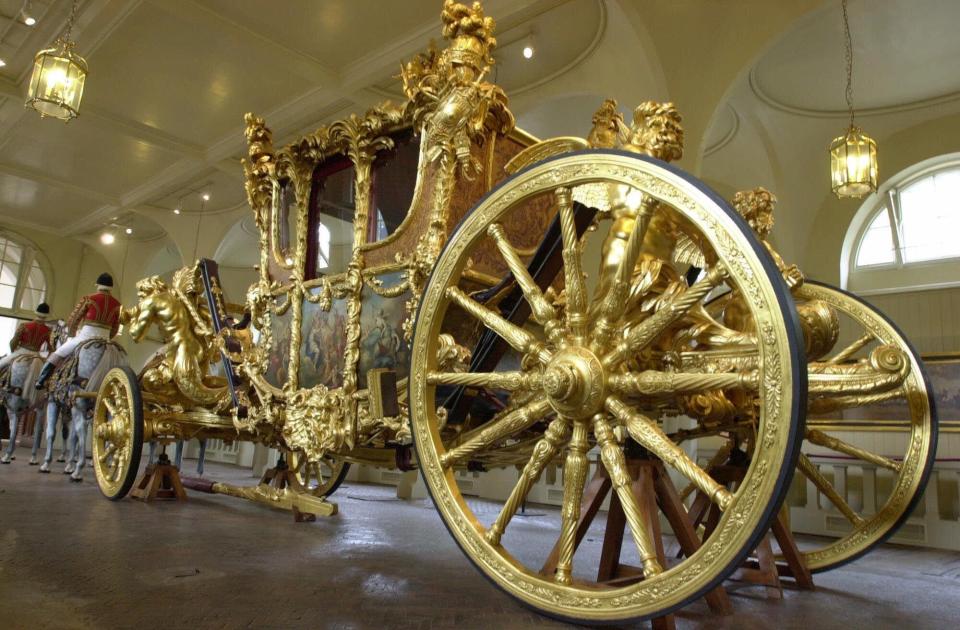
893 465
117 432
595 372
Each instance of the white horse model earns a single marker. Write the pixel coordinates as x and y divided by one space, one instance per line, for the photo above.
81 374
19 394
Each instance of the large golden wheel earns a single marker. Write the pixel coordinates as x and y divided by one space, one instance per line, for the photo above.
893 470
599 362
117 432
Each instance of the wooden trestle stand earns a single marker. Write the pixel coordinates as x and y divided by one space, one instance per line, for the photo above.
763 569
653 488
160 480
281 477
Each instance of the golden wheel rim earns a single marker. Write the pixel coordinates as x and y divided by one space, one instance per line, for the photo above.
116 439
900 475
578 386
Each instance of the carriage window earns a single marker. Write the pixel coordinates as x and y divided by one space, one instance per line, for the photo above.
394 178
332 207
288 222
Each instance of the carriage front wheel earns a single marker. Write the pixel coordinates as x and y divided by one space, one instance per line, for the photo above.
597 367
117 432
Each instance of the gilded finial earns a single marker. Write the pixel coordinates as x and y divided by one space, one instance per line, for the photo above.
756 207
608 127
470 33
259 138
656 131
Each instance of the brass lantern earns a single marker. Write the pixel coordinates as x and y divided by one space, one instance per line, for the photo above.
853 156
853 164
59 73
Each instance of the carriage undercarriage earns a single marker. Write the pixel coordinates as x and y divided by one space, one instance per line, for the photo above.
590 295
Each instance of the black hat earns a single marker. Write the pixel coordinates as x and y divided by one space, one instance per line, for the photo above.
43 309
105 280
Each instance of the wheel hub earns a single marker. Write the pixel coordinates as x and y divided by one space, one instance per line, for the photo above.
575 383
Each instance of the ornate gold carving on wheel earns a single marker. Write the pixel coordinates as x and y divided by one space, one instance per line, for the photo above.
595 363
118 432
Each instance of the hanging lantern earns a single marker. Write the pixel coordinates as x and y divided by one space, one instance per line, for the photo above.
853 156
59 73
853 164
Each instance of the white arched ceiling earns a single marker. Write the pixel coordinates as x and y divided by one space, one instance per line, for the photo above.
790 102
240 246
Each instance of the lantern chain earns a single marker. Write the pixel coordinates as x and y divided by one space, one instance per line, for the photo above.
849 58
68 29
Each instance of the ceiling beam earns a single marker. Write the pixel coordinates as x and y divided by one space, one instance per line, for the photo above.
42 177
303 64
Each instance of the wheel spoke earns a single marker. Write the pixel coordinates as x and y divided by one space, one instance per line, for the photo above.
576 291
616 465
835 444
852 349
107 452
648 434
541 309
810 471
574 477
720 457
543 453
615 301
508 381
506 424
655 383
650 328
521 340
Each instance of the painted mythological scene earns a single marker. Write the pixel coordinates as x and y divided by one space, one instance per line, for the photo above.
278 359
381 331
323 343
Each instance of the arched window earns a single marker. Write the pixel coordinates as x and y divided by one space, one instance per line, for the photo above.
918 222
23 284
906 234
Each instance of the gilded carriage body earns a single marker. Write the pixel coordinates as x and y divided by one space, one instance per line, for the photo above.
438 289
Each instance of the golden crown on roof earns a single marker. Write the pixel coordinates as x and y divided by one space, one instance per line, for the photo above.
470 34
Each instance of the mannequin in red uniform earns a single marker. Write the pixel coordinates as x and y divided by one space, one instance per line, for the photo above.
23 363
96 316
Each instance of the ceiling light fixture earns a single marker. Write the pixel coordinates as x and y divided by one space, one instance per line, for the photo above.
56 85
107 238
853 156
129 230
29 21
176 210
2 63
528 52
205 196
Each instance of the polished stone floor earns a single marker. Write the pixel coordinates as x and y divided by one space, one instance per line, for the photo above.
71 559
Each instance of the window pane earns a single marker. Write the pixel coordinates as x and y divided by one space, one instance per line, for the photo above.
8 326
333 208
31 299
6 296
876 247
11 252
9 272
394 178
931 217
35 279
